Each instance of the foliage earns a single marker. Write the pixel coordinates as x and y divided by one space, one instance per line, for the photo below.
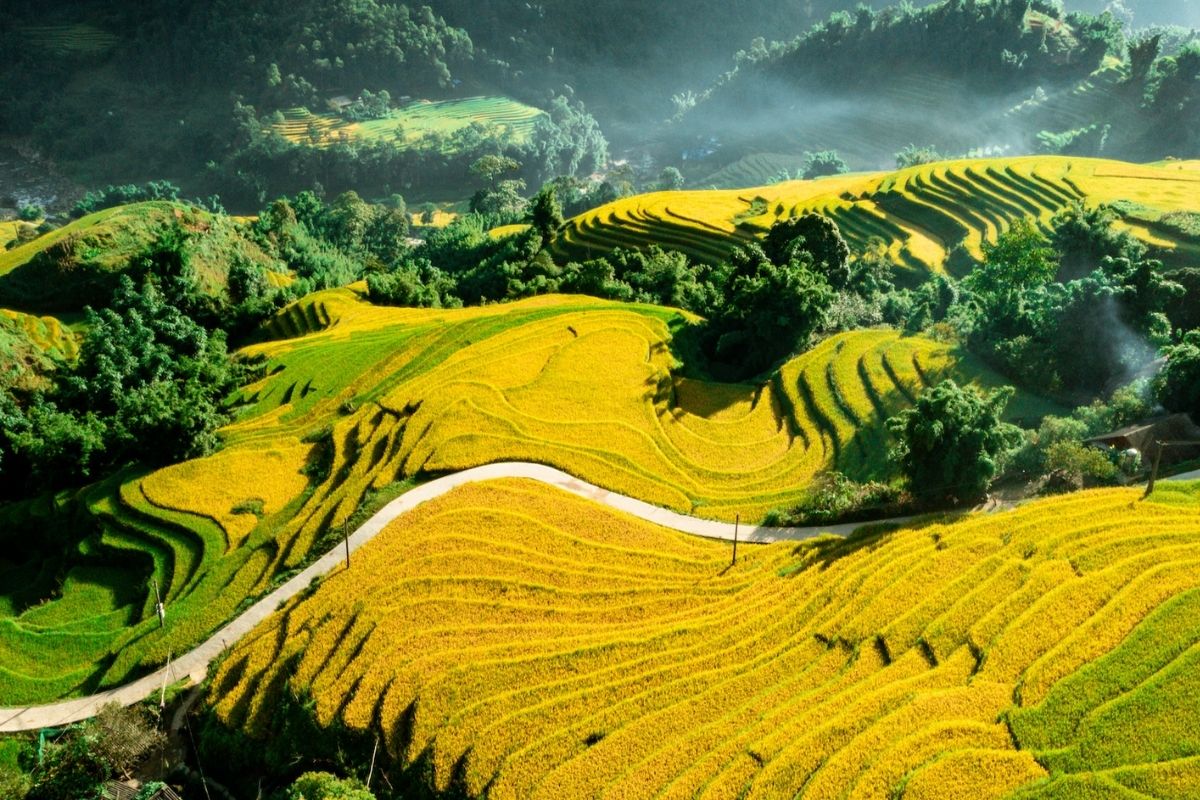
952 441
824 162
112 196
913 156
1090 464
324 786
148 385
369 105
769 309
820 238
1177 386
30 213
833 498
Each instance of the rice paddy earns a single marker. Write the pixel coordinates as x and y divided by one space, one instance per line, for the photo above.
531 644
413 124
74 39
920 214
357 399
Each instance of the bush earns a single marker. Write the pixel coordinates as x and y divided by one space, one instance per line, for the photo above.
325 786
825 162
31 213
833 497
1090 464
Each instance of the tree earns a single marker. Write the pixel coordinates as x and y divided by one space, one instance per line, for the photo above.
1085 236
816 235
325 786
950 442
913 156
489 168
1178 385
769 309
545 214
670 179
824 162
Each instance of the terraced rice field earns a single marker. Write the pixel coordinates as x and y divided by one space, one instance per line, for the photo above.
395 393
921 213
78 38
756 169
516 642
409 125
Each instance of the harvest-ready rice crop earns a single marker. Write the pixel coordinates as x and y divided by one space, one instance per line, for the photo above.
512 641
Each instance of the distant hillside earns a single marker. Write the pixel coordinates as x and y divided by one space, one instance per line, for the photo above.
993 77
921 214
78 264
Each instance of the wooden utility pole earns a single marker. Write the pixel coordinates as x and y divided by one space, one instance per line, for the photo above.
159 608
346 539
1154 470
371 772
162 694
737 521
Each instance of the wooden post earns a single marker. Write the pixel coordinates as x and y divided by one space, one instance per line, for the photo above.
1154 470
371 772
346 538
737 521
162 695
159 608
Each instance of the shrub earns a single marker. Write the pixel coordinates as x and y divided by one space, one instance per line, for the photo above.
1075 459
833 497
325 786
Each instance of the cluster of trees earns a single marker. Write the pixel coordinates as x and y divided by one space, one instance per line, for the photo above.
260 162
976 42
112 196
148 386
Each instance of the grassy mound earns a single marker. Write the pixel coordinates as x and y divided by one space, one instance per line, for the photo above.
32 346
365 398
78 264
524 643
409 125
921 213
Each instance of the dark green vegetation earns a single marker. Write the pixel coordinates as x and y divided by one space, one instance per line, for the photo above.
72 763
192 94
1005 76
951 441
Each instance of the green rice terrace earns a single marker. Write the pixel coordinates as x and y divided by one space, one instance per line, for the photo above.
415 123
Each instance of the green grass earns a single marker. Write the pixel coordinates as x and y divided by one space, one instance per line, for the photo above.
76 265
414 124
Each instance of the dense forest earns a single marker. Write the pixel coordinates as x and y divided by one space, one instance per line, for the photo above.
996 75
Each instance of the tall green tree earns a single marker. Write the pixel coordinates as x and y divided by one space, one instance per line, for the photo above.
1178 385
950 443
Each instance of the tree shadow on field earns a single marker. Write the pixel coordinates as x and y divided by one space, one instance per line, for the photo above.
822 553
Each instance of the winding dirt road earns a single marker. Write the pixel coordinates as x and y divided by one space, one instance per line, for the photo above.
194 664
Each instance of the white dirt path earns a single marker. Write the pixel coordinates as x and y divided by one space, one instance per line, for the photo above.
194 664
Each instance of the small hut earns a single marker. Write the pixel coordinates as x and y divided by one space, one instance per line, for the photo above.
1176 430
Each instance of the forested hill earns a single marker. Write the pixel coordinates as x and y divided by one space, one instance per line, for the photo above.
999 76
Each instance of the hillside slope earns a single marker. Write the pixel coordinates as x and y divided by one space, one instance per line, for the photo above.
366 398
921 214
78 264
530 644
